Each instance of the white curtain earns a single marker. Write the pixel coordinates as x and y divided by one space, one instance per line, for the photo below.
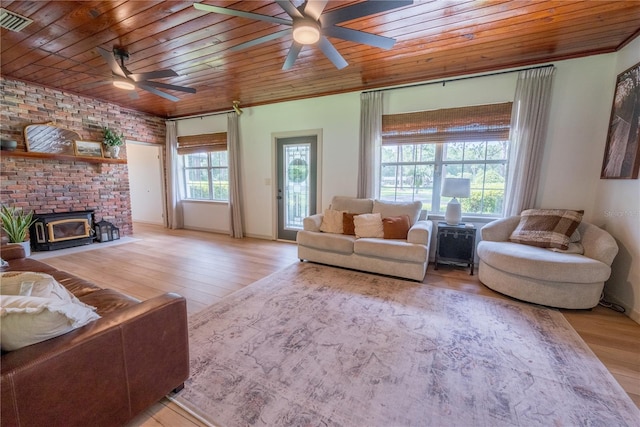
370 141
235 193
174 218
529 119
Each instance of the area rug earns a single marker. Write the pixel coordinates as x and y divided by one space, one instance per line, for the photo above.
314 345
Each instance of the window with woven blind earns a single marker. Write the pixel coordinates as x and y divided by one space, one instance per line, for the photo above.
420 149
203 143
205 166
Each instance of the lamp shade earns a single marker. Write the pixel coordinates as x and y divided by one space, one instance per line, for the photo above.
456 187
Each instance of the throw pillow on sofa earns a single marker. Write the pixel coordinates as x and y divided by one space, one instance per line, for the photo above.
348 227
388 209
368 225
396 227
28 283
332 221
46 311
30 320
547 228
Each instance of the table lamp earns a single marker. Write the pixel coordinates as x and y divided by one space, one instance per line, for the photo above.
455 187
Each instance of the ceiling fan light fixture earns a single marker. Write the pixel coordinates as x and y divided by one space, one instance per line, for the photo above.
306 31
124 84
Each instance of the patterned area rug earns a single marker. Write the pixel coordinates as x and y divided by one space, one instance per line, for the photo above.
319 346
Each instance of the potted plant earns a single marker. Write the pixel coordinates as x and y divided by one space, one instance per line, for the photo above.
16 223
113 141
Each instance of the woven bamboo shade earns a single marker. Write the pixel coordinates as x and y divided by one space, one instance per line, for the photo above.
202 143
478 123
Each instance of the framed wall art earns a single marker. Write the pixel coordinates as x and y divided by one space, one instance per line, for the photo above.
49 138
622 152
89 148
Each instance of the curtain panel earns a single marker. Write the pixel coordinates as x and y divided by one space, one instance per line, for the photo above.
529 120
235 193
175 217
369 147
463 124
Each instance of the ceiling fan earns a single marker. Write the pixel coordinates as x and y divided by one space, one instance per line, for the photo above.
309 26
125 79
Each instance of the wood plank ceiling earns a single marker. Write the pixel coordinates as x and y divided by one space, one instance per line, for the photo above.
435 39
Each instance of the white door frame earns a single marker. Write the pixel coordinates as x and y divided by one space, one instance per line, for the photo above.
274 172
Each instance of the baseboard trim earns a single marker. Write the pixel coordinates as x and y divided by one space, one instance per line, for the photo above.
628 311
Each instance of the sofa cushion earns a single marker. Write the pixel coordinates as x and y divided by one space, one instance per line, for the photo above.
332 221
388 209
546 228
340 243
348 226
391 249
542 264
368 225
30 320
351 204
396 227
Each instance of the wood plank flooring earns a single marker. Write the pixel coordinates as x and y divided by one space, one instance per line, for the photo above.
205 267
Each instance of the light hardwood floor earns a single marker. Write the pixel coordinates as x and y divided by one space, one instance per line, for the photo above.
204 267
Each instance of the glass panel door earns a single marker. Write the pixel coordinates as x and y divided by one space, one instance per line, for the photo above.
296 184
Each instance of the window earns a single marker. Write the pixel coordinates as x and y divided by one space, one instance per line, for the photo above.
205 166
420 149
206 176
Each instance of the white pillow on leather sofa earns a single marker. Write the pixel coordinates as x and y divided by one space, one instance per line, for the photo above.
49 311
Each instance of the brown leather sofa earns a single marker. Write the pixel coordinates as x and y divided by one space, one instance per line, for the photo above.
104 373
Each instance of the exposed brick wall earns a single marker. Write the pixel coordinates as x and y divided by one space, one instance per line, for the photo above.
49 185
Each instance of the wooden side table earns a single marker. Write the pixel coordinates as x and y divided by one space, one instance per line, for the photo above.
456 244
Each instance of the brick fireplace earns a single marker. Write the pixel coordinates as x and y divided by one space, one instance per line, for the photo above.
47 185
54 186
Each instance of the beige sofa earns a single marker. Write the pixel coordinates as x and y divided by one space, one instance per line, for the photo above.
542 276
406 258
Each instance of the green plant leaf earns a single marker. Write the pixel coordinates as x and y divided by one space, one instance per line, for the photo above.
16 223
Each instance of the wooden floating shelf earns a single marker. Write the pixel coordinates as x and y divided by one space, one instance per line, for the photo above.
61 157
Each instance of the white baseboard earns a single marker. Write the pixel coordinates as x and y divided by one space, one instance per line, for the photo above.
628 311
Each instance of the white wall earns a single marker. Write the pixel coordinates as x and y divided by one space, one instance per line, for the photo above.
581 102
617 203
580 108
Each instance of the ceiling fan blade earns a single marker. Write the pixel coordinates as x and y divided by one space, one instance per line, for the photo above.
261 40
169 87
359 10
288 7
359 37
292 55
113 63
159 74
314 8
331 53
157 92
96 84
232 12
